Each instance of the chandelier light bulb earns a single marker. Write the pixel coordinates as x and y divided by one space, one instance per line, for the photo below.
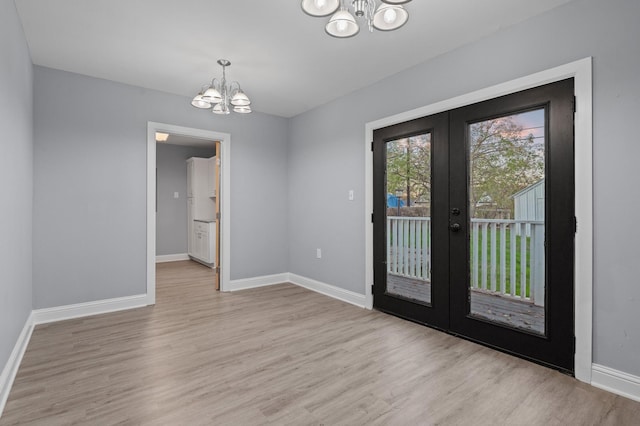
342 24
390 16
198 102
221 109
211 95
242 109
240 99
319 7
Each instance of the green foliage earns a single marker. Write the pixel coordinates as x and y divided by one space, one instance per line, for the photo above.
409 168
502 160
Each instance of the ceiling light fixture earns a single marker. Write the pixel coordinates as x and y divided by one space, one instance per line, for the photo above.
223 97
389 16
161 137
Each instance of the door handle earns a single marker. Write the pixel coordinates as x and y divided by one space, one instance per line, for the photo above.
454 227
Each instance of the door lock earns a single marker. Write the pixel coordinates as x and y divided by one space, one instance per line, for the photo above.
454 227
455 211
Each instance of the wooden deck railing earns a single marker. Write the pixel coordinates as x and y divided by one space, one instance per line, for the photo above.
506 256
409 246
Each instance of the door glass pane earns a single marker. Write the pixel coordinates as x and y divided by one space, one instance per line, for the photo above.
507 208
408 186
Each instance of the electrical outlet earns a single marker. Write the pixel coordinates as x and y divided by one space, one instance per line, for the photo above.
318 253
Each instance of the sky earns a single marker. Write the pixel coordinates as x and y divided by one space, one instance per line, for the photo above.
532 123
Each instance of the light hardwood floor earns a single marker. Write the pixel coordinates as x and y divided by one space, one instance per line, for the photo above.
282 355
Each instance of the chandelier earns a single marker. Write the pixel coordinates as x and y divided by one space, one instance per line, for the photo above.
222 97
389 16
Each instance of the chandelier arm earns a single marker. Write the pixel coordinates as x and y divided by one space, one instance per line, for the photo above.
371 9
215 83
234 87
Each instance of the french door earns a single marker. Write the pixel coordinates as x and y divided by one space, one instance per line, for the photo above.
474 222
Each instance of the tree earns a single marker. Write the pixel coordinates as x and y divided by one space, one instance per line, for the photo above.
503 161
409 168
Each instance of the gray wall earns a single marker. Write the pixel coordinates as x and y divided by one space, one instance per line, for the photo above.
90 186
16 179
90 136
326 155
171 217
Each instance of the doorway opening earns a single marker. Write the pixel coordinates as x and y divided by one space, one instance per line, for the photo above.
187 206
202 225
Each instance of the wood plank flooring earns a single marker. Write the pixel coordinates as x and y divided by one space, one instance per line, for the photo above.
282 355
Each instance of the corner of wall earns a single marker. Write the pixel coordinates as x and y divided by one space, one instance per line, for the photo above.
10 369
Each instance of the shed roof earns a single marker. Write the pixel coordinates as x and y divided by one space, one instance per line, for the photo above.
528 188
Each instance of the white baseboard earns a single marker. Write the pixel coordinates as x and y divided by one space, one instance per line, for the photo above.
308 283
13 363
172 257
329 290
59 313
616 381
265 280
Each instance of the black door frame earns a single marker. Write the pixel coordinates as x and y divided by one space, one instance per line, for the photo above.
556 348
546 350
581 71
432 314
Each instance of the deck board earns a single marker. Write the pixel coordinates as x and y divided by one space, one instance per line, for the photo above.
513 312
410 288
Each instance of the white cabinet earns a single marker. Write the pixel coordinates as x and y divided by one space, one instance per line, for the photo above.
190 178
190 230
211 180
201 209
204 248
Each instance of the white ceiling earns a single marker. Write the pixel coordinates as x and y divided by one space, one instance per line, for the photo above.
282 57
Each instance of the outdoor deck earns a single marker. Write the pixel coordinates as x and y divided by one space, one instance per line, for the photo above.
502 309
